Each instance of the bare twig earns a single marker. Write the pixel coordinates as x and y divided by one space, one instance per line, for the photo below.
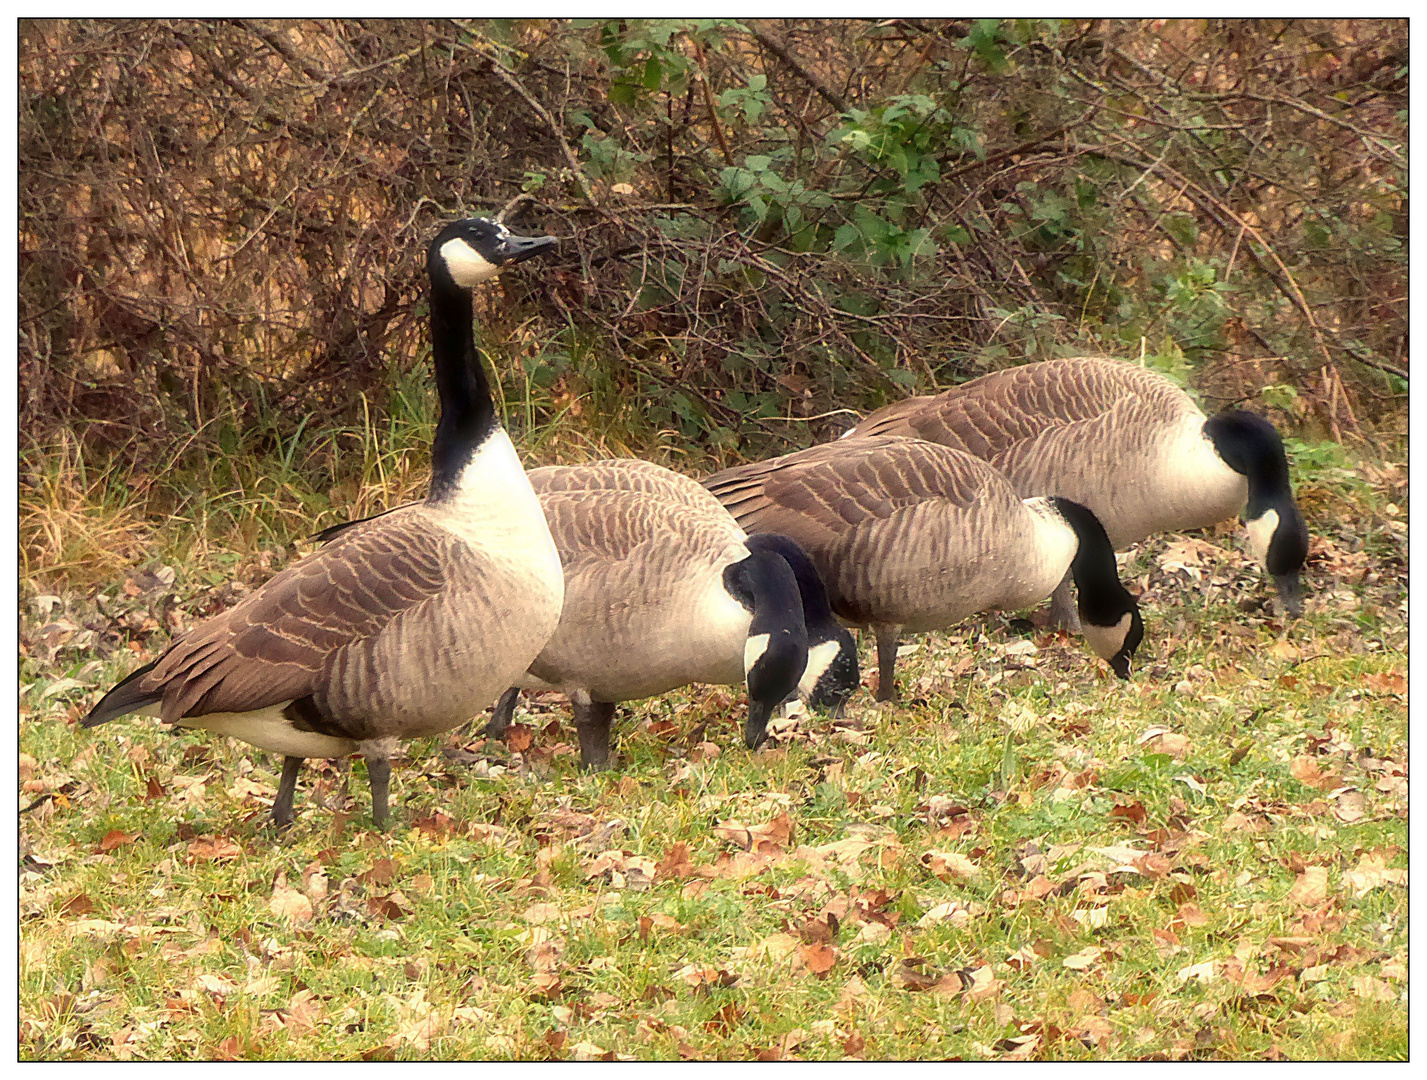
780 50
1287 284
508 77
703 77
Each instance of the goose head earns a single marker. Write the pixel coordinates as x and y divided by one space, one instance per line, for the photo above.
1278 536
776 651
832 672
473 250
1109 615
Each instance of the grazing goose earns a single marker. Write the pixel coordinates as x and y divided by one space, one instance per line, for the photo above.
1128 444
662 589
913 536
402 629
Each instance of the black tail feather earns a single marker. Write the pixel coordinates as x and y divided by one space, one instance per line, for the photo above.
125 697
333 531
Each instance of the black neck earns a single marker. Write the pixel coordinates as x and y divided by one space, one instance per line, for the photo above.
467 412
1251 446
817 612
765 585
1102 599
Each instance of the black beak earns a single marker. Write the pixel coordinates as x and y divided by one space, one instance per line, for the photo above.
1120 664
1290 589
519 248
755 728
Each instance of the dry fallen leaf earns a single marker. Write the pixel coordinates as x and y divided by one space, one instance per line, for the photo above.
1311 887
212 849
382 872
1304 768
1351 806
230 1049
701 977
1204 972
1084 959
819 958
417 1023
955 912
949 865
116 838
1395 968
622 870
1022 958
215 984
289 903
776 946
676 862
1372 872
774 835
1190 915
542 913
1365 986
1387 683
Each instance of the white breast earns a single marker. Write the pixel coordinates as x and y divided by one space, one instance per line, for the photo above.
1193 487
1042 561
495 509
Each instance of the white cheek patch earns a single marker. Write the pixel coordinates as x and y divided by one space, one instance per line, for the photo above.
1106 640
1261 530
753 648
466 265
820 658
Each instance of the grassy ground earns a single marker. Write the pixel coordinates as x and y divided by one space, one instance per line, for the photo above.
1024 859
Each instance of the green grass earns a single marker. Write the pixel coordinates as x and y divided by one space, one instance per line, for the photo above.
485 936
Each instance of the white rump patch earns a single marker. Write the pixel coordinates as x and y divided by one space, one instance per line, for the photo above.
753 648
268 729
1106 640
467 265
1261 530
820 658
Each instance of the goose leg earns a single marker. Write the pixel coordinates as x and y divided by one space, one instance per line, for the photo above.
592 721
286 788
502 714
1063 615
886 662
379 776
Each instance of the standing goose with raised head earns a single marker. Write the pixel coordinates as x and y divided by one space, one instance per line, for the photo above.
1128 444
402 629
662 589
911 536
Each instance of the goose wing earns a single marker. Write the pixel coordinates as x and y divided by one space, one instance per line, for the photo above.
282 642
825 490
1007 416
623 532
626 474
893 525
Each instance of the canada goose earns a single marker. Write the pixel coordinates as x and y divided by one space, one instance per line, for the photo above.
909 535
662 588
402 629
1125 442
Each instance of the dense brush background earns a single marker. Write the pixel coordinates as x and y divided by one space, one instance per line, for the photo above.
767 228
